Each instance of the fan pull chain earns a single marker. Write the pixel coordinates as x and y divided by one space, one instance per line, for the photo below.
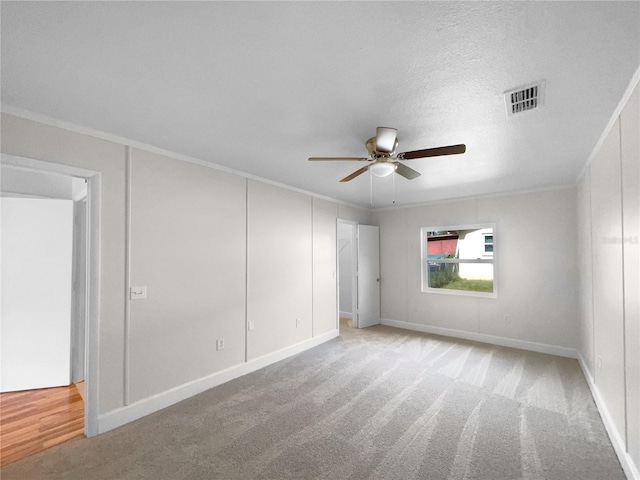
393 183
370 189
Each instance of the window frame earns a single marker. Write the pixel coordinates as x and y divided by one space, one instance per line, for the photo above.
487 258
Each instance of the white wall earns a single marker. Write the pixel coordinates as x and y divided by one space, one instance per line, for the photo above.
609 211
188 247
355 214
325 301
35 324
630 171
192 229
608 303
25 182
535 269
80 290
585 270
279 268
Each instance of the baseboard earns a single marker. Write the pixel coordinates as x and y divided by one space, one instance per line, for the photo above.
626 462
348 315
142 408
483 338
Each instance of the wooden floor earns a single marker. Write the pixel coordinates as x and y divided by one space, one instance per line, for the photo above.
34 420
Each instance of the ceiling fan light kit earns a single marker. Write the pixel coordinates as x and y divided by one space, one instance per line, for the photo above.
383 160
382 169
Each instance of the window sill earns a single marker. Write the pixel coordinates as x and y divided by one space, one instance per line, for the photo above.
459 293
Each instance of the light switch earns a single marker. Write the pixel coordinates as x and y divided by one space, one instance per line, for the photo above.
138 293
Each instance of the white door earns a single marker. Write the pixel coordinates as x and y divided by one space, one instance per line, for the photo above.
35 326
368 272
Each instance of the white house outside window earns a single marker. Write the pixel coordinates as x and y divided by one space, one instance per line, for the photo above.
459 260
488 243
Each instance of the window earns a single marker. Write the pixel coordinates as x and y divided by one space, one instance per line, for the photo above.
458 260
488 243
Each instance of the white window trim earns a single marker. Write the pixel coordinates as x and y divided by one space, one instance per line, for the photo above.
465 293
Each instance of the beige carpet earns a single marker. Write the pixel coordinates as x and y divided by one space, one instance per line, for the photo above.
379 403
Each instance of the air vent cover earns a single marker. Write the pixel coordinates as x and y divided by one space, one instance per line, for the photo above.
524 98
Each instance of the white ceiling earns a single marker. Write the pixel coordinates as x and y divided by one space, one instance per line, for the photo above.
260 87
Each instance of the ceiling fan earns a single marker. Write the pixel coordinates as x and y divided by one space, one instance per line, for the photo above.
383 159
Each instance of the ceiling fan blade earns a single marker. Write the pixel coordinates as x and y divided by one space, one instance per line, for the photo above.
357 159
386 139
433 152
360 171
406 172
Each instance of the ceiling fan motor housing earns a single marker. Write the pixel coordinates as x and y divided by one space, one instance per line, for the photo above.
371 148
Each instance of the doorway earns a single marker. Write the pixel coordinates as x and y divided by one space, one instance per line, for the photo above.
347 295
359 275
33 180
40 326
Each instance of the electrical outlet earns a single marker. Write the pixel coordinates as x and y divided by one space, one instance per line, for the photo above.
297 322
251 326
220 344
506 319
414 308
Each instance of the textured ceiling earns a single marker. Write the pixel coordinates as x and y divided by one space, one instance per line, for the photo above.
260 87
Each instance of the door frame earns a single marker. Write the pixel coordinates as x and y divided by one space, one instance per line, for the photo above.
92 305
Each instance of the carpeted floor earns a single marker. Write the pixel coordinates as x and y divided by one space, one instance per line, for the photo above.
379 403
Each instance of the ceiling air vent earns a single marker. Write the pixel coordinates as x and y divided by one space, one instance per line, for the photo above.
524 98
